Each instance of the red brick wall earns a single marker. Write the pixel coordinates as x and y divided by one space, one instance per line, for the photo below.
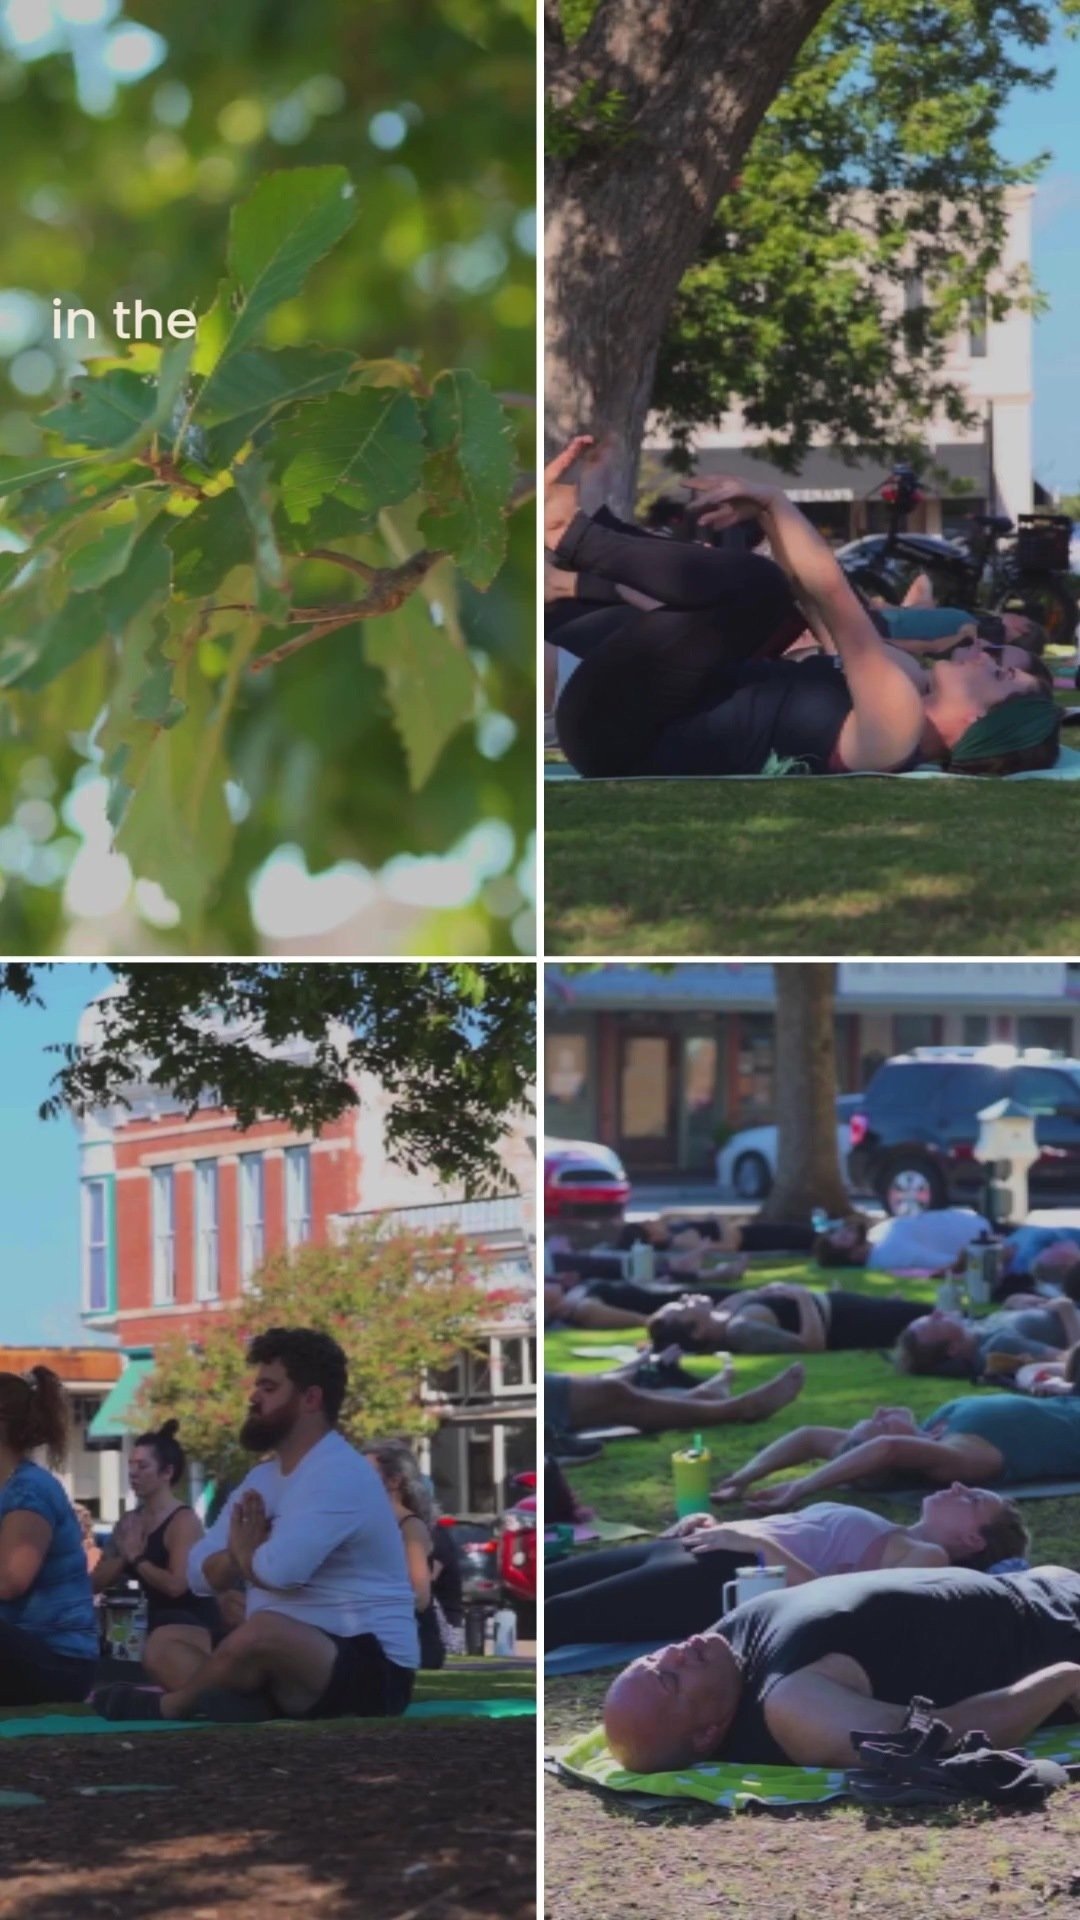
141 1144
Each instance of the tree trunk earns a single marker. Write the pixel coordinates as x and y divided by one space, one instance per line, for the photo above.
650 115
808 1165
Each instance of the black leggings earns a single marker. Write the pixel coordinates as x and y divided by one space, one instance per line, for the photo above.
32 1675
655 1590
749 594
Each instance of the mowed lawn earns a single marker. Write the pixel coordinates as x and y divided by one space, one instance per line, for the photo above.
845 867
604 1861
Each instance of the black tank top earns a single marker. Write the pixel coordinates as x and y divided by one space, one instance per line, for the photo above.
746 715
161 1607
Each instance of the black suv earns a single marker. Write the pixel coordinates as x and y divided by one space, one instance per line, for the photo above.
914 1132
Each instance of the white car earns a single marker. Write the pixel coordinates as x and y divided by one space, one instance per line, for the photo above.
746 1166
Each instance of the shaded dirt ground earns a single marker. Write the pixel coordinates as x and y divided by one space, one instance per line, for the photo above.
425 1821
603 1861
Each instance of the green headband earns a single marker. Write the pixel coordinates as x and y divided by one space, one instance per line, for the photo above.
1025 721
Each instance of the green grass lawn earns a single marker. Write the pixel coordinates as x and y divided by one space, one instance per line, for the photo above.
846 867
604 1862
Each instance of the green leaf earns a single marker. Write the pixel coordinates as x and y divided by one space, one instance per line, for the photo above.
276 236
100 559
368 443
104 411
468 476
251 387
209 543
176 827
73 630
17 475
256 498
430 683
144 583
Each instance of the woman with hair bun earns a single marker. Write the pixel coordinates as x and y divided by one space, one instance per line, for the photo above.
152 1543
48 1637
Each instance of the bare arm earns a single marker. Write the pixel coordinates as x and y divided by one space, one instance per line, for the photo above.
24 1542
1069 1315
746 1537
417 1549
811 1318
172 1580
812 1716
107 1572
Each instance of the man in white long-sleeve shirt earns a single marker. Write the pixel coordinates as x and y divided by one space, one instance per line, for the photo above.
330 1623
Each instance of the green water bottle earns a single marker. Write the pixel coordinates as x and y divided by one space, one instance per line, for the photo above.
692 1471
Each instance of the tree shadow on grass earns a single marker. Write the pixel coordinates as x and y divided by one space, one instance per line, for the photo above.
254 1822
847 868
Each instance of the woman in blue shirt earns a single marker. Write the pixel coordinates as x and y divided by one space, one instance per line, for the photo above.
48 1640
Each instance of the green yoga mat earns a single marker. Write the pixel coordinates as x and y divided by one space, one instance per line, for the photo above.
85 1722
730 1787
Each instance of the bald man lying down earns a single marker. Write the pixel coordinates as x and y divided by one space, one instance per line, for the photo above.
790 1676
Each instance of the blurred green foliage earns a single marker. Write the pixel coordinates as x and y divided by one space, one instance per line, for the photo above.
120 187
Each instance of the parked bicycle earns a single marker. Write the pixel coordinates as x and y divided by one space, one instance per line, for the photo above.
1029 576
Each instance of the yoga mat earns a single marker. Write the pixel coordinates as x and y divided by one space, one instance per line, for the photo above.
621 1355
1067 768
610 1530
608 1433
85 1722
729 1786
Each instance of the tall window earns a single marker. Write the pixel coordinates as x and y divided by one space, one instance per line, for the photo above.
207 1268
297 1195
252 1231
96 1243
164 1224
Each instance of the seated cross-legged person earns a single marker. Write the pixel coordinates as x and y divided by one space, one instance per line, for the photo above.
152 1543
790 1676
330 1627
48 1635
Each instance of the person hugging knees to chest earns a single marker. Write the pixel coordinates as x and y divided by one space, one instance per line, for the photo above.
330 1626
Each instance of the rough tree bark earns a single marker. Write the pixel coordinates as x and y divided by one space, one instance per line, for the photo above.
808 1166
650 114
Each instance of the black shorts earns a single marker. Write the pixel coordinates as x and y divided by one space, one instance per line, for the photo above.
363 1683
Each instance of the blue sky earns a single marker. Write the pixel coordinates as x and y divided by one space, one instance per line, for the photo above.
39 1170
1035 123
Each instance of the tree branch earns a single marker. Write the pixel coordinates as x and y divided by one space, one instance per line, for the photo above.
388 589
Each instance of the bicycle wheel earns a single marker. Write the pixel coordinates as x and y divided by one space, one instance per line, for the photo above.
1047 599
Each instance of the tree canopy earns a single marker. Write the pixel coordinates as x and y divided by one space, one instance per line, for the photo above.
398 1303
868 222
343 196
454 1043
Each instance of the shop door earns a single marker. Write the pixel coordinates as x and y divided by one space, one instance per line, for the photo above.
648 1133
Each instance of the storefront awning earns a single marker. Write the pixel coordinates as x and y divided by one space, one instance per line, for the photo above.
111 1421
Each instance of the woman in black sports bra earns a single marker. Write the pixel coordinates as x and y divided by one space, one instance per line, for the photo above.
400 1474
680 687
152 1543
781 1318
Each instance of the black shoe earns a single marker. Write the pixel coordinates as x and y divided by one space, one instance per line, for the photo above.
122 1701
571 1449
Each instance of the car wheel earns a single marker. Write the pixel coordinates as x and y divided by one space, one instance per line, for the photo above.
751 1178
910 1184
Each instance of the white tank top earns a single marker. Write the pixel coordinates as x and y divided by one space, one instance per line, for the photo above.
830 1537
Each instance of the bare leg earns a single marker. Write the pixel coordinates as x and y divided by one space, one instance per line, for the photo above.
790 1450
174 1655
606 1401
290 1661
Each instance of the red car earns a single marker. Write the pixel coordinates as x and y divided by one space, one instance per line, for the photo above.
517 1552
583 1181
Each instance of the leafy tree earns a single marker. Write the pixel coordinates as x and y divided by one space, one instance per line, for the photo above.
851 201
454 1042
400 733
867 222
398 1303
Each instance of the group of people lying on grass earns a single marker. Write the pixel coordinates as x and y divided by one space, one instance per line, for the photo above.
311 1596
872 1612
680 662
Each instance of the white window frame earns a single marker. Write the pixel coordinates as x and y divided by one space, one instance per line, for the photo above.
91 1246
297 1195
207 1230
499 1344
163 1234
252 1183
